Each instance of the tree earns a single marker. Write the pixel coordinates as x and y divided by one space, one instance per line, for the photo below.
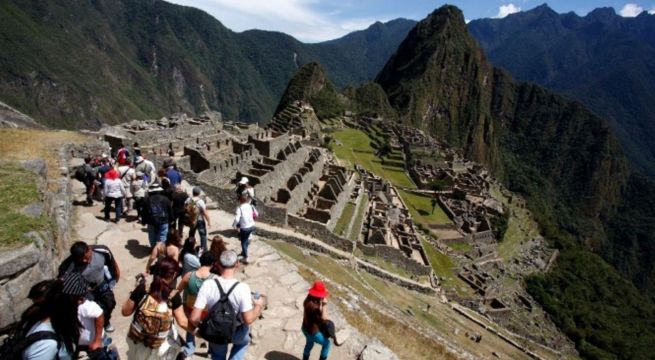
434 202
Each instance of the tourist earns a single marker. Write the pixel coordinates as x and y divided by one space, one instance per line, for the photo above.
179 198
240 299
174 175
152 334
89 315
157 214
40 291
244 189
314 315
190 284
122 154
244 223
56 316
127 176
217 248
189 256
136 150
147 168
203 222
170 249
98 267
138 189
89 180
114 192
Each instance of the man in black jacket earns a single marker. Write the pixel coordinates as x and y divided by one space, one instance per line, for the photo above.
157 214
98 267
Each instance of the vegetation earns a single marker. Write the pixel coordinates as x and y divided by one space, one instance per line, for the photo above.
17 190
345 219
499 224
359 218
420 206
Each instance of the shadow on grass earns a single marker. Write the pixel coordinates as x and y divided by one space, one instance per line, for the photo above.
136 249
279 355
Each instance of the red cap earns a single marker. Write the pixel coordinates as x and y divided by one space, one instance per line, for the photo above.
318 290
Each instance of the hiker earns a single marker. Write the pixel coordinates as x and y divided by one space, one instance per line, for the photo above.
122 154
152 334
157 214
190 284
138 189
244 223
179 198
244 189
240 304
114 191
127 176
89 315
104 167
147 168
169 249
174 175
202 222
98 267
87 177
189 256
52 325
315 319
217 248
136 150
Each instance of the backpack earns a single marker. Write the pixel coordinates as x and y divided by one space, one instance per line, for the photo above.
221 323
12 348
80 173
150 326
191 212
157 212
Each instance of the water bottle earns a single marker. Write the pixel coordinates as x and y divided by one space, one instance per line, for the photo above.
256 295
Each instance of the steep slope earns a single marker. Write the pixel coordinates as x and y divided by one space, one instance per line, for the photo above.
603 60
80 64
561 157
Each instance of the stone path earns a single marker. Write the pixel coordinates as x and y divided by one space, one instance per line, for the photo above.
276 337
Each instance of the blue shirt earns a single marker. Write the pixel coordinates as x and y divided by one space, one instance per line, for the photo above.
174 176
45 349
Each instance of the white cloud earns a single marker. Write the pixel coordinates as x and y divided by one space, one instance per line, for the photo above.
508 9
631 10
298 18
652 10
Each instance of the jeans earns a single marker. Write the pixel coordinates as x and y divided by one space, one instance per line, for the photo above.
157 233
189 344
244 237
240 342
202 232
319 338
118 206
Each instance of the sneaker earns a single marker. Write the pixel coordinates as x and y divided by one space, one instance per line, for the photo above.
109 328
244 261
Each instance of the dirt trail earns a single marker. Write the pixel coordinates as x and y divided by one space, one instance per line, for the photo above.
276 337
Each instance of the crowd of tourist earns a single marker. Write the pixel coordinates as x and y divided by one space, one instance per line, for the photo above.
185 286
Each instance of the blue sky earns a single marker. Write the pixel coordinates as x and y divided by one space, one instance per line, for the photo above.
319 20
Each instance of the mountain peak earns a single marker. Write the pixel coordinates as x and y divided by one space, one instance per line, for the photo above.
602 13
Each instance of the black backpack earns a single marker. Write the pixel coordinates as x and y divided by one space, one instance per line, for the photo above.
158 212
13 346
221 323
80 173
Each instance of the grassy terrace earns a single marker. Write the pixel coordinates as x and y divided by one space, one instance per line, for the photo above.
359 218
344 220
421 209
17 190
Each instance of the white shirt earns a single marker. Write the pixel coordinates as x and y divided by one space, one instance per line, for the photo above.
114 188
200 203
208 295
128 175
153 170
87 313
244 216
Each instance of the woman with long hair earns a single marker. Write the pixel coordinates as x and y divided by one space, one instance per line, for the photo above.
152 334
189 256
217 248
56 314
170 249
314 317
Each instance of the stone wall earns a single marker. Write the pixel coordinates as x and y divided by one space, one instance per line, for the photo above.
277 179
342 199
396 257
319 231
21 268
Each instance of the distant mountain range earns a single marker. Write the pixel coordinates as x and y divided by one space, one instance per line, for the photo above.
84 63
602 59
564 159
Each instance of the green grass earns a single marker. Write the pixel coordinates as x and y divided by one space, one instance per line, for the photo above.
16 191
359 218
463 247
356 148
344 220
443 267
421 209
